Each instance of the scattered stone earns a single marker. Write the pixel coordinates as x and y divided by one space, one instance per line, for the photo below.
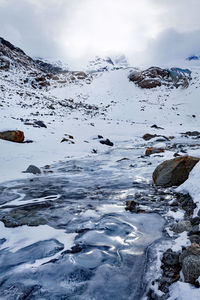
195 134
16 136
176 154
132 206
67 140
186 203
181 226
107 142
94 151
40 124
175 171
149 136
171 270
153 150
69 136
122 159
33 170
156 127
27 141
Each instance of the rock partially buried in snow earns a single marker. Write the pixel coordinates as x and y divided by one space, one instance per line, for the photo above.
175 171
16 136
107 142
181 226
33 170
153 150
40 124
190 259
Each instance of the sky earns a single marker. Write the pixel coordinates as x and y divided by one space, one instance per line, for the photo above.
146 31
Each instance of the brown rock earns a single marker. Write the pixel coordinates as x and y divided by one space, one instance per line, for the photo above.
152 150
149 136
149 83
16 136
175 171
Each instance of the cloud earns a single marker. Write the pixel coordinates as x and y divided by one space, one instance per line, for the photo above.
145 30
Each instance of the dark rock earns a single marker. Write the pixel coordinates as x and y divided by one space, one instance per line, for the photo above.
156 127
67 140
175 171
171 268
149 136
181 226
32 169
195 221
107 142
40 124
190 259
191 133
186 203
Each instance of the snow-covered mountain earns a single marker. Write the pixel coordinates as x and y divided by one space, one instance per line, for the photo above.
99 64
90 223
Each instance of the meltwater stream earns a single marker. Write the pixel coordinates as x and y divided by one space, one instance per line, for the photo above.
67 235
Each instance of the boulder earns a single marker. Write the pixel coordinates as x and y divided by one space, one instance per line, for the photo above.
32 169
190 260
16 136
181 226
175 171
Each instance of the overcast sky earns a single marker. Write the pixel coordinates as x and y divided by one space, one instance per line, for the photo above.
145 30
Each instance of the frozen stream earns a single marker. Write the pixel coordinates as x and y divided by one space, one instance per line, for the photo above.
68 235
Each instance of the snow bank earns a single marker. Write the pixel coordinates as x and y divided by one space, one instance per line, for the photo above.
191 186
183 291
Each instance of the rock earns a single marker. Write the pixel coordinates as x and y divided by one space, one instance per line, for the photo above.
67 140
156 127
153 150
195 134
149 83
133 206
190 259
162 138
181 226
149 136
16 136
155 77
171 267
32 169
40 124
175 171
186 203
107 142
69 136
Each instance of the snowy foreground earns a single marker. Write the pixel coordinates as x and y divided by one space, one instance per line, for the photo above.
125 114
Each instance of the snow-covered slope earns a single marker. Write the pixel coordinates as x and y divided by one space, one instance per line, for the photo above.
80 109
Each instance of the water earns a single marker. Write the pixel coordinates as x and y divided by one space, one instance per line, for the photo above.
68 235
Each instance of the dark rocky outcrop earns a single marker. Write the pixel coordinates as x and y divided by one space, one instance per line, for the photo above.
156 77
175 171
